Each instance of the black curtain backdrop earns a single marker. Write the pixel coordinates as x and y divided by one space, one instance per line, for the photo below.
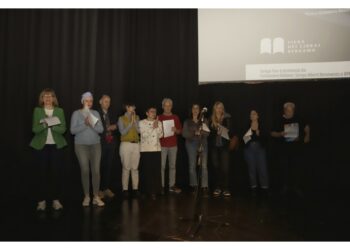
144 56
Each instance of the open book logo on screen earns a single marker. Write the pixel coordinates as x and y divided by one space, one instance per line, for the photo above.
269 46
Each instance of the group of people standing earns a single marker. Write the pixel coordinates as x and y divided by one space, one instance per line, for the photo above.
147 145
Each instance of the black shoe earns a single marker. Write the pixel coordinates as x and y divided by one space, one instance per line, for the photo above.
125 194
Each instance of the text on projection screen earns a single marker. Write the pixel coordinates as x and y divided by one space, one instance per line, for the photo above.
257 45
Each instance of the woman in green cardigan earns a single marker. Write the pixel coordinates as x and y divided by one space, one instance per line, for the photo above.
48 127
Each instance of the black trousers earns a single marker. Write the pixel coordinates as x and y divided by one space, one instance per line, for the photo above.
150 173
220 159
49 172
107 156
290 163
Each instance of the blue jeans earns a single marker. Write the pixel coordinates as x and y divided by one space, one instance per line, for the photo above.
169 152
255 157
192 148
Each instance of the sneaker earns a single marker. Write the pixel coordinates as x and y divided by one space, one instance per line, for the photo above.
174 190
217 192
86 201
226 193
108 193
41 206
56 204
97 201
101 194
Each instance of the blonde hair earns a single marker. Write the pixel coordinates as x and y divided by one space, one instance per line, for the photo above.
48 91
215 121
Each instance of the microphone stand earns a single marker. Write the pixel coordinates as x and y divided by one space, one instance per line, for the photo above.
198 213
198 218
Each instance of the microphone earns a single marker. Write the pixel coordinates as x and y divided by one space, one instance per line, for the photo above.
204 110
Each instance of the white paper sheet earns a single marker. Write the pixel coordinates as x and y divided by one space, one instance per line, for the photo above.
248 136
92 119
167 128
224 132
291 131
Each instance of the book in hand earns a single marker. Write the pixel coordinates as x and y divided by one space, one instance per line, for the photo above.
51 121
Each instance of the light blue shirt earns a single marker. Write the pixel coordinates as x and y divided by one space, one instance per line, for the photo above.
85 134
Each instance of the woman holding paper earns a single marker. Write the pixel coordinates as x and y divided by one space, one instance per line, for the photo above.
196 131
254 154
49 125
221 132
86 126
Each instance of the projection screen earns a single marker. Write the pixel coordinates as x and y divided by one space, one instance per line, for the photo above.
249 45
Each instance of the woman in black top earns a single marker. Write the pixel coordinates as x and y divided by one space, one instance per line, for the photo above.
219 139
254 153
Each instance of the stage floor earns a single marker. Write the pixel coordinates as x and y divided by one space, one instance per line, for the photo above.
239 218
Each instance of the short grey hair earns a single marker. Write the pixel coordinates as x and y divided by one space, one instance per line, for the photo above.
289 105
167 100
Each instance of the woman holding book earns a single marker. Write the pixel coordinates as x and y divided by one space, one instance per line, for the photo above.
48 126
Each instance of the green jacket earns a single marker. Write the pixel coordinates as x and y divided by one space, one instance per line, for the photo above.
40 130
